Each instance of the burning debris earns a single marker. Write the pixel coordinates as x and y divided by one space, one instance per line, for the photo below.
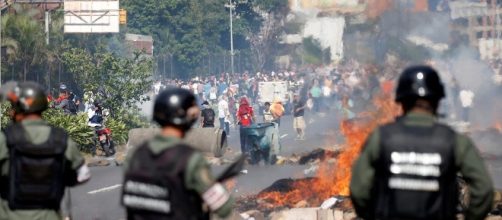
333 169
325 196
314 157
281 195
318 154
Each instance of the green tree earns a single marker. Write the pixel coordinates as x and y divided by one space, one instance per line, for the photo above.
122 82
196 32
312 52
265 43
25 39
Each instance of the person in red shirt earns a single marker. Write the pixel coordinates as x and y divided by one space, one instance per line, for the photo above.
245 117
62 96
50 98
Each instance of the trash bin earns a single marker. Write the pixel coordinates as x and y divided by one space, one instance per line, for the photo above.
262 142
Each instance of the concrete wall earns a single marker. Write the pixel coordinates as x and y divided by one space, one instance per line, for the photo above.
329 32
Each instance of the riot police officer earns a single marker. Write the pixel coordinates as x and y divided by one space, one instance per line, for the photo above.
166 178
408 168
37 161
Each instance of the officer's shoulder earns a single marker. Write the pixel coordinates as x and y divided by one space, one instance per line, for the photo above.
447 128
191 152
385 126
186 147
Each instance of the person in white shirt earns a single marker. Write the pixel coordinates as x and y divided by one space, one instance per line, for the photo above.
157 86
223 114
267 115
326 93
213 94
88 100
466 99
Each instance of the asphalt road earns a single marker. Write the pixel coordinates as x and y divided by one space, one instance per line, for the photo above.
99 198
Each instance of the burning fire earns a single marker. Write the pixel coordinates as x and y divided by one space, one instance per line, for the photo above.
333 180
498 126
230 184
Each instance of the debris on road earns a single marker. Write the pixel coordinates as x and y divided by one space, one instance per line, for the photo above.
98 162
329 203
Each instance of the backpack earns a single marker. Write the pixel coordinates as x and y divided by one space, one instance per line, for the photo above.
154 186
36 172
209 116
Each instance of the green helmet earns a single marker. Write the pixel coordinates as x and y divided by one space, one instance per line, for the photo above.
25 97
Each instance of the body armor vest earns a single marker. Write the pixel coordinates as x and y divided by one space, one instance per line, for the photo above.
36 172
416 173
154 186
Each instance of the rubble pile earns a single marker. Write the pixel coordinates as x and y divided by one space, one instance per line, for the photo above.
310 158
270 207
252 206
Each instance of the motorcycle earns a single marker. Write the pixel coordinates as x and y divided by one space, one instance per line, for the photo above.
105 140
103 137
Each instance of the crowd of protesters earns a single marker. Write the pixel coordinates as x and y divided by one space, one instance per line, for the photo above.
342 90
339 86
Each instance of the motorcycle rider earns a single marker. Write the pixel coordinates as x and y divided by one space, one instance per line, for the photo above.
95 113
96 120
408 168
37 161
166 178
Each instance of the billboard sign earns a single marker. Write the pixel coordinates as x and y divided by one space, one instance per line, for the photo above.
94 16
461 9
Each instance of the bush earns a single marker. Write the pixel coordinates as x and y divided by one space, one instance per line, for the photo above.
124 121
4 109
79 131
75 125
119 130
133 119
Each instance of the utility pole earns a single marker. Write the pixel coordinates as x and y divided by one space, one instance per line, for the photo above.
47 22
0 46
171 65
1 59
231 6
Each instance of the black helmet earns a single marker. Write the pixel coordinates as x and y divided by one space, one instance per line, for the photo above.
419 82
97 103
176 107
25 97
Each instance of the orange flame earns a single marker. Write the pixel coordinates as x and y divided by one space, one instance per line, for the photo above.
498 126
334 179
230 184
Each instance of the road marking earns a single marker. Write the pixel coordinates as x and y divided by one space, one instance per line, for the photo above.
284 135
105 189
